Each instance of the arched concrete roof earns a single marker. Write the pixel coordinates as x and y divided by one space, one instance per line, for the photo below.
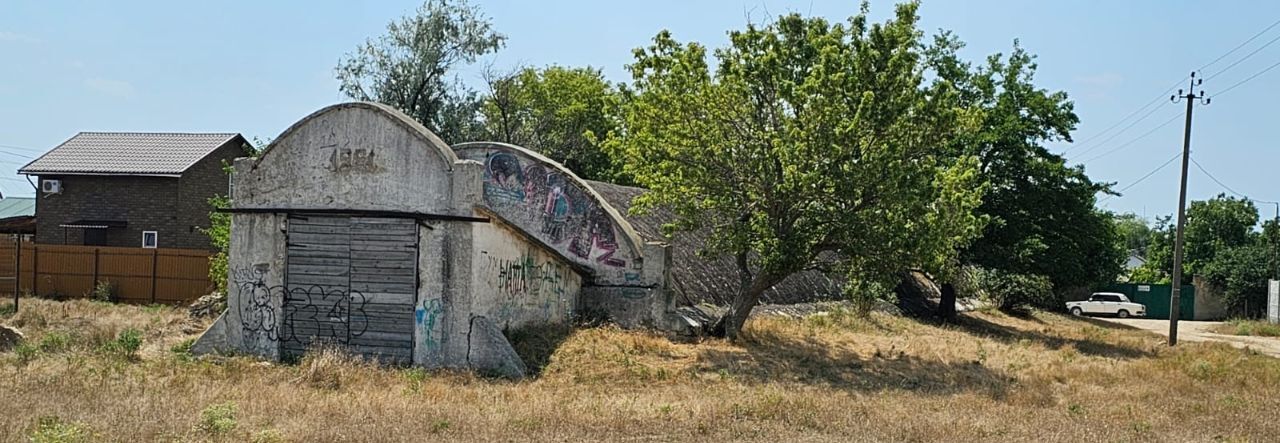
621 222
390 113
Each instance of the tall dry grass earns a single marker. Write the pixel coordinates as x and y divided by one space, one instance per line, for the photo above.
831 377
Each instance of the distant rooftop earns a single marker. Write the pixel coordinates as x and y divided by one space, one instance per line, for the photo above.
17 207
128 153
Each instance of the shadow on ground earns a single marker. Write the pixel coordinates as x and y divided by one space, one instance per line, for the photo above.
1090 346
767 356
535 345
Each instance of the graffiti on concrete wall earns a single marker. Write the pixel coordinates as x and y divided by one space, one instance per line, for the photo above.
529 287
308 312
257 312
428 316
559 210
321 312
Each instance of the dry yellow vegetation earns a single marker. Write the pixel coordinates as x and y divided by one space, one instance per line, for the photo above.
831 377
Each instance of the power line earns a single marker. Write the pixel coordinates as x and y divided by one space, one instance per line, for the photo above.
1122 131
1121 121
1176 83
1246 80
1224 185
1141 179
1241 45
1242 59
23 148
1135 140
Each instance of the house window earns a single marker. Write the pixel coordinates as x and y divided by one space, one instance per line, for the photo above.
149 239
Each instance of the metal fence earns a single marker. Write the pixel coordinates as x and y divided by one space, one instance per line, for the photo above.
136 275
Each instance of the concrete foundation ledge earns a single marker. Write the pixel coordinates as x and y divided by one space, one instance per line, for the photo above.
489 352
214 339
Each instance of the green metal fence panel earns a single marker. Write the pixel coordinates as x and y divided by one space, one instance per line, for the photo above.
1156 298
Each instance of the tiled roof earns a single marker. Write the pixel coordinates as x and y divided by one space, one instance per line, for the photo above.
710 279
133 153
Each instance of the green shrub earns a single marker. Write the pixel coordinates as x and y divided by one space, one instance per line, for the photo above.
1008 290
54 430
125 345
218 419
55 342
26 352
104 291
8 309
182 350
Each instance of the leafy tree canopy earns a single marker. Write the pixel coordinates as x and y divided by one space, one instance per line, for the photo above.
1043 220
563 113
411 67
810 142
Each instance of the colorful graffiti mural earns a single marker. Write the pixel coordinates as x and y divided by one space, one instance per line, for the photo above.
564 214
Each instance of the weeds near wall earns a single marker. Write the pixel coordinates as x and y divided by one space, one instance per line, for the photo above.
104 291
54 430
125 345
328 367
218 419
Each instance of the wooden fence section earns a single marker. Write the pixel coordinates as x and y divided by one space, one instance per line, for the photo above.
138 275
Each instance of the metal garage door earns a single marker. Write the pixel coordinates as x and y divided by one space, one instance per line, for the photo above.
351 281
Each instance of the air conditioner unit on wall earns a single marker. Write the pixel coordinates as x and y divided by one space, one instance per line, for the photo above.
51 186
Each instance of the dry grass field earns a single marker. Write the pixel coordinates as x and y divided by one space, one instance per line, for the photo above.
823 378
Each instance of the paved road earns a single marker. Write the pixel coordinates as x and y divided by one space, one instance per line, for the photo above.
1202 331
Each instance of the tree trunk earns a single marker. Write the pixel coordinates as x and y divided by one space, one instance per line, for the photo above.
730 324
947 305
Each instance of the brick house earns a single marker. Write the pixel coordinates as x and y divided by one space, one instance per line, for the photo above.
131 189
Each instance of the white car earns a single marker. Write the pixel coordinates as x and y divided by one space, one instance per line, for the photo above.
1111 303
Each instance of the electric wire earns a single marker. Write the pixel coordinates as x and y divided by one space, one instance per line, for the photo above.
1143 178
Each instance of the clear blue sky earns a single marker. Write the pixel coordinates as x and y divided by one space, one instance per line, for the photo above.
255 67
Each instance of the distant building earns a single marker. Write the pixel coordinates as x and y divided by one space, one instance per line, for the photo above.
17 215
131 189
1134 261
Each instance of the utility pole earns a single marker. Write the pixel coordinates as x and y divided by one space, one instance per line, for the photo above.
1175 300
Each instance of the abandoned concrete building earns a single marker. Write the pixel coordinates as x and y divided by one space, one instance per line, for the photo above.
358 226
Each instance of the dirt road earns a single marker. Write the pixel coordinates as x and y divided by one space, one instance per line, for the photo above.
1202 331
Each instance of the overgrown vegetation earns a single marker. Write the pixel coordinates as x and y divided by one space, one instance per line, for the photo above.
218 419
52 429
1224 247
1260 328
104 291
818 378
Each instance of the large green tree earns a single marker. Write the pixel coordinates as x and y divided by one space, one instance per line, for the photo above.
1216 225
1133 232
411 67
810 142
563 113
1042 216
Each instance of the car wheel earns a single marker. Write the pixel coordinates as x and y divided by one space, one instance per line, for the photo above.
1077 311
1122 314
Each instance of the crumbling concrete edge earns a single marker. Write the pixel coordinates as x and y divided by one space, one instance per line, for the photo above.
214 339
489 352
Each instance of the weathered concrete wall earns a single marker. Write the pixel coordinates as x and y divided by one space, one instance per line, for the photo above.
550 203
518 283
255 286
1208 304
627 279
351 156
552 247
